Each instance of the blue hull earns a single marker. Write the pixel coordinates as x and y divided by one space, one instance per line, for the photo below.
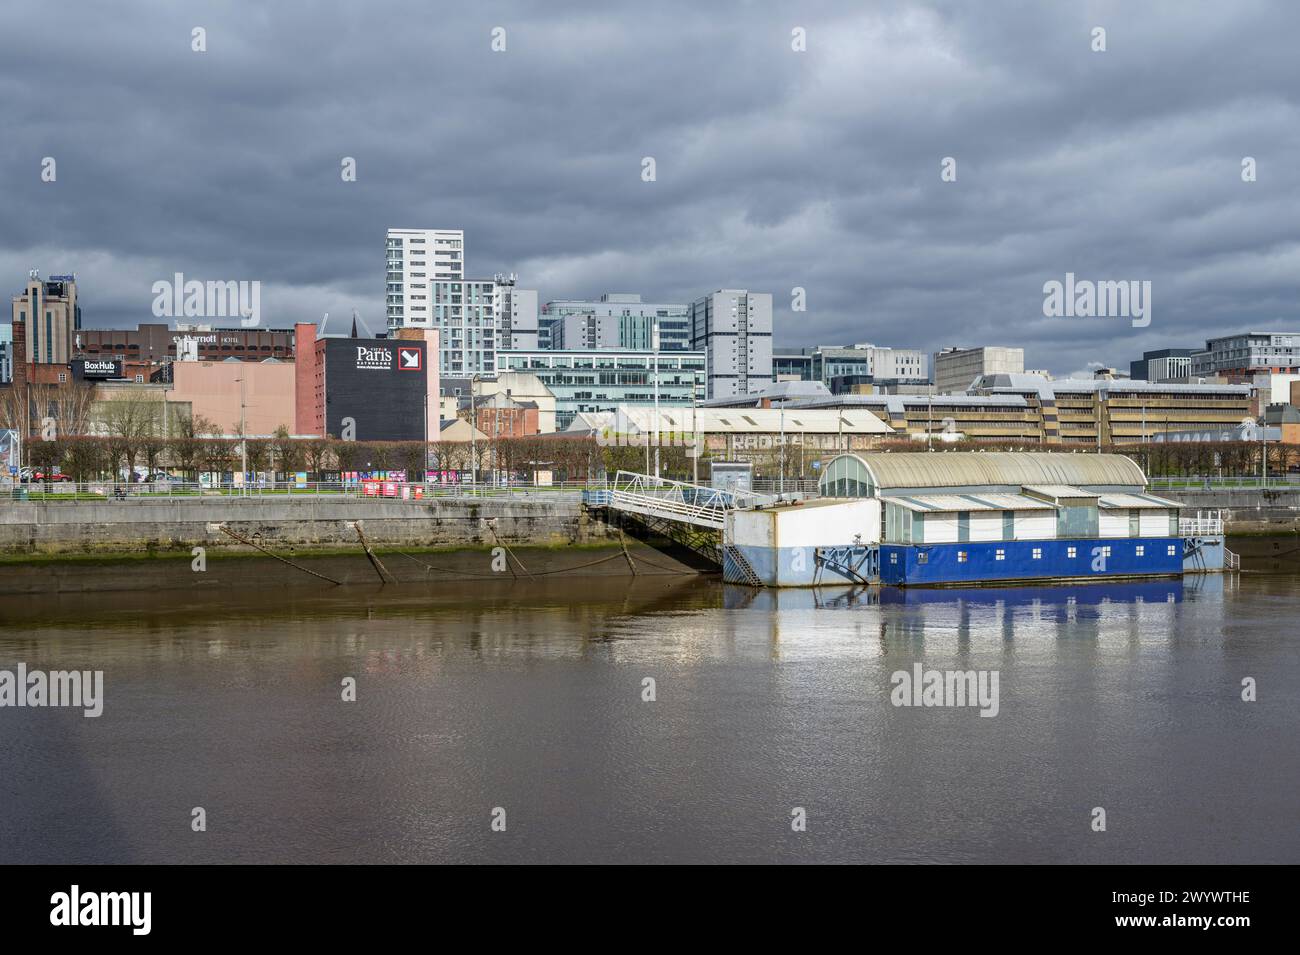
977 562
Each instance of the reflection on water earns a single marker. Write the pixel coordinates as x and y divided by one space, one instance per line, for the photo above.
528 696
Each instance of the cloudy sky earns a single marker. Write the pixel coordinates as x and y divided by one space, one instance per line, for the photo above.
775 168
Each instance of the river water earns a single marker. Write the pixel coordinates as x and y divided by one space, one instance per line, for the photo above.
524 702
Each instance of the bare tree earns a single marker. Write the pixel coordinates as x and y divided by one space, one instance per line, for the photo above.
128 420
288 453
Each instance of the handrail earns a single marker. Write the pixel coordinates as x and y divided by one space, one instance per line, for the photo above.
678 500
1194 526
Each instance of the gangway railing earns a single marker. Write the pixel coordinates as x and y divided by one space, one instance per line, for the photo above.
1201 524
679 501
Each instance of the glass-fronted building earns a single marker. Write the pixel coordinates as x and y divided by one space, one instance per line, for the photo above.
616 320
601 379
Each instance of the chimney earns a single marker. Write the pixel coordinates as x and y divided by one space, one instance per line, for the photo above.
19 352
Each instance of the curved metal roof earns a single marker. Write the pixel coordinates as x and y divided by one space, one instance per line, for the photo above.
998 468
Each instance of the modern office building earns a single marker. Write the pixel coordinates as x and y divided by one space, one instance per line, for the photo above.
1084 412
602 379
516 313
849 369
955 368
615 320
1165 364
1003 418
415 259
791 366
733 327
49 311
1239 434
1069 412
1247 354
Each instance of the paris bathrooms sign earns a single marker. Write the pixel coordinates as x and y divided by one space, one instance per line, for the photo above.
374 357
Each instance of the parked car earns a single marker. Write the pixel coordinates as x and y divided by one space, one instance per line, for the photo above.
42 477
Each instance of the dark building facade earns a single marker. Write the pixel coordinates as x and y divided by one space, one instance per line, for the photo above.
156 342
369 389
1161 365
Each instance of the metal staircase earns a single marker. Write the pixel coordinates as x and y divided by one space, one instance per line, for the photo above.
736 568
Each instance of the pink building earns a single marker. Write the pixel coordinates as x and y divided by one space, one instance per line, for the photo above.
432 404
213 389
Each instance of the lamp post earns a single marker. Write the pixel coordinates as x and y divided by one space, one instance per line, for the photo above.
1146 454
695 434
243 441
1263 457
929 419
654 345
780 486
473 444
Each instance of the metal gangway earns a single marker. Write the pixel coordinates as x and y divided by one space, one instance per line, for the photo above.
665 500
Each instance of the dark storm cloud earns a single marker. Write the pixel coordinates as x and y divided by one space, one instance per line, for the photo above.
775 169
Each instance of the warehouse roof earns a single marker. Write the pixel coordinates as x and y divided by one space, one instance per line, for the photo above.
1136 501
1060 492
898 404
895 472
971 502
640 419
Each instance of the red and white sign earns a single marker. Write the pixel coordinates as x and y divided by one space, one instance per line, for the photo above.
409 359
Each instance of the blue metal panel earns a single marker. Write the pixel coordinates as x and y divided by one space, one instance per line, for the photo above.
802 566
1203 554
1090 593
978 561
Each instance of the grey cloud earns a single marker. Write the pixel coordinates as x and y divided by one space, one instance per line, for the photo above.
775 169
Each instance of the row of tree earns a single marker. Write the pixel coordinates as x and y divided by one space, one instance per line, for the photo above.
98 458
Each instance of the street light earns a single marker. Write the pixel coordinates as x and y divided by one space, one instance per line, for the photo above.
780 488
654 345
473 444
695 434
929 419
243 441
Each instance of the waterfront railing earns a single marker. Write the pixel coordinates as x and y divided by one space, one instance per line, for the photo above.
71 492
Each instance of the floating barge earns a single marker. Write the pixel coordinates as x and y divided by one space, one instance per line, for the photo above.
970 517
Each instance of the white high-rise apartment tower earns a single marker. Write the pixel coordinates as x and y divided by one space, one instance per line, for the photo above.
416 259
